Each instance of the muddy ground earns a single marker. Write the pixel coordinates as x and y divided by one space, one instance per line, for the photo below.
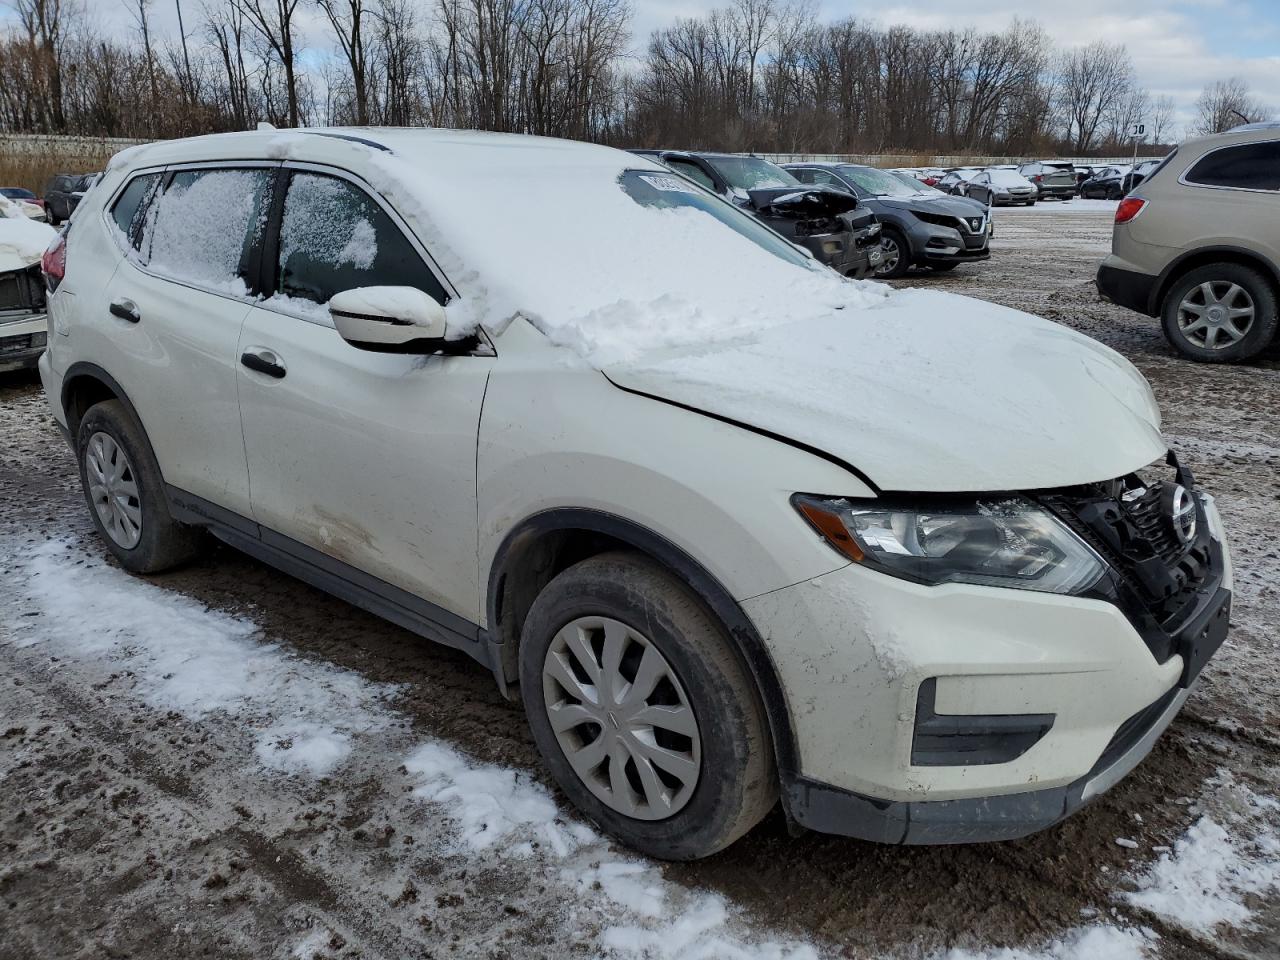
135 832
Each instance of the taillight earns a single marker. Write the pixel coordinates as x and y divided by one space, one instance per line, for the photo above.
1037 178
1129 208
54 262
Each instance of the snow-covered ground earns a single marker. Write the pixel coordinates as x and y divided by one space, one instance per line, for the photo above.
1077 205
283 717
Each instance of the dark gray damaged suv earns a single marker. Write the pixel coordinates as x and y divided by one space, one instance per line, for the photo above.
918 229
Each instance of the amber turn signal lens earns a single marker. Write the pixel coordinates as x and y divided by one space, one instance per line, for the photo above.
828 523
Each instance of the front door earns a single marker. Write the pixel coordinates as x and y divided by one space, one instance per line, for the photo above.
368 458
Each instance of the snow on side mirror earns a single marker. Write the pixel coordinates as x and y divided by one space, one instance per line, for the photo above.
388 319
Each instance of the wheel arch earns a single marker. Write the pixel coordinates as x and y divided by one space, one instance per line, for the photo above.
83 385
1202 256
546 543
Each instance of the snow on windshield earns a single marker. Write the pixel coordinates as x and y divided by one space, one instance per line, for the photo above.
752 173
201 223
550 233
1007 178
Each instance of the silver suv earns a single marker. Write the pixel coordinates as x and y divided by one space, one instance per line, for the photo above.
1197 244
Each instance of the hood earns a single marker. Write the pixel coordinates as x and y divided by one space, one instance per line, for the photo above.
940 203
926 392
22 242
801 201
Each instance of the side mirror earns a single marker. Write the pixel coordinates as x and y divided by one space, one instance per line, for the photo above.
388 319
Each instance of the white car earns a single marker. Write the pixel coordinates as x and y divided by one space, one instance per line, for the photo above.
22 295
733 527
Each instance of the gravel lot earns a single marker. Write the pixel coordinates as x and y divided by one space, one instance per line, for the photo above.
143 815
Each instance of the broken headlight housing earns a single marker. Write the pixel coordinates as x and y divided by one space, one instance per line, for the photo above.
996 542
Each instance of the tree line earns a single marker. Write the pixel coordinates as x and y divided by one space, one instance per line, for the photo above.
759 75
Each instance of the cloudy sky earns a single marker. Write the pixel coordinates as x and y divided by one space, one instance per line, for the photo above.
1177 45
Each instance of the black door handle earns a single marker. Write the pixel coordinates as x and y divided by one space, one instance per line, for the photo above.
125 310
263 361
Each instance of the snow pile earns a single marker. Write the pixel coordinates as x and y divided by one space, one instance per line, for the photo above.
195 661
1208 876
22 240
1086 943
490 805
546 231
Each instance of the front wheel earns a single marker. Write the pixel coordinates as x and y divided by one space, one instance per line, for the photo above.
642 710
943 267
1031 203
1219 313
895 255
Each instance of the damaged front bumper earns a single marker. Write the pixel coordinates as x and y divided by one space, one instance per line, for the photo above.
963 713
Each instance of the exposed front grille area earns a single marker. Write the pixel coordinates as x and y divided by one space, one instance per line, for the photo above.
22 291
1160 579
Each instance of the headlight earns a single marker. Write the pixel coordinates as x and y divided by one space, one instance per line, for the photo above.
999 542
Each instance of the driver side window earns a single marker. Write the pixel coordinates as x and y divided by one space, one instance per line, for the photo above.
693 172
334 237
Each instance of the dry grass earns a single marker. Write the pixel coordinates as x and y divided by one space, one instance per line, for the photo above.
33 172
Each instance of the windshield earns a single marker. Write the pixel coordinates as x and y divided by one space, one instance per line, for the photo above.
752 173
662 191
878 183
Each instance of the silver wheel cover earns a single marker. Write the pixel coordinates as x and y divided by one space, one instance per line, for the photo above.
889 256
1216 314
113 490
622 718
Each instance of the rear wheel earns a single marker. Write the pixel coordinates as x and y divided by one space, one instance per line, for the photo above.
642 711
1031 203
122 485
895 256
1219 313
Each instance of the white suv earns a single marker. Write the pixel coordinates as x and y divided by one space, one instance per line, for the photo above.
732 526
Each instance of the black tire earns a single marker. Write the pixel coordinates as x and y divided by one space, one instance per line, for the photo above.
1115 193
1031 203
162 542
1261 332
943 267
737 780
904 254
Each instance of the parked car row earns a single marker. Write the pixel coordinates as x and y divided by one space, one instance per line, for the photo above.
61 195
735 531
857 219
1036 180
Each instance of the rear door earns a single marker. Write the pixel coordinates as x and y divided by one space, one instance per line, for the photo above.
367 459
171 313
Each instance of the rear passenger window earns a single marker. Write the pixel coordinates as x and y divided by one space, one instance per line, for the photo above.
131 207
334 237
1249 166
205 226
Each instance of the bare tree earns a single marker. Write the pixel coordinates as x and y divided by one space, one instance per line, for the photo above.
273 22
1092 80
347 17
1162 119
141 15
1225 104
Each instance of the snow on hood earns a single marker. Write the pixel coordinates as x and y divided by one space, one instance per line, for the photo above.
926 392
545 231
23 241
